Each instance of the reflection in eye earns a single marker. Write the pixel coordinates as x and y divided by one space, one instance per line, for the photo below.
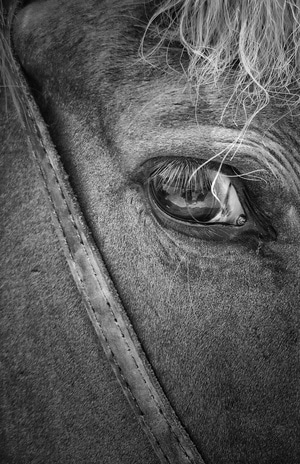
183 190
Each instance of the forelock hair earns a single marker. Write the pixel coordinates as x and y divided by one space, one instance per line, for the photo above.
252 45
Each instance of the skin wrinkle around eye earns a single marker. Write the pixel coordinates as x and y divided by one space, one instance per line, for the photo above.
268 160
168 122
255 151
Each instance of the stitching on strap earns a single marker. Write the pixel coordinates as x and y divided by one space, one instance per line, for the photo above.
111 356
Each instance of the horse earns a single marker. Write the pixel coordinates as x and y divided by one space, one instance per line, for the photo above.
150 260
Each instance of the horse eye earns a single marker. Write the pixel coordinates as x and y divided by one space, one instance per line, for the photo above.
204 196
189 193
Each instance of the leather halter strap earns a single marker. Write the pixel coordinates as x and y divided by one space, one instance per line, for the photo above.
118 339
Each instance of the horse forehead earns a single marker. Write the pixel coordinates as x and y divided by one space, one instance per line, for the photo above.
101 41
89 53
72 35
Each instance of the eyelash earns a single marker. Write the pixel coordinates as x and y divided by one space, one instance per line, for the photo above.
177 170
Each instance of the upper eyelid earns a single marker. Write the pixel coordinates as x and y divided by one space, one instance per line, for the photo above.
254 151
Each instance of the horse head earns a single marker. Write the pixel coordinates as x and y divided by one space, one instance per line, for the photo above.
177 124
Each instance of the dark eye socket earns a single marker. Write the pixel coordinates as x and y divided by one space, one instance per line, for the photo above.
206 199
